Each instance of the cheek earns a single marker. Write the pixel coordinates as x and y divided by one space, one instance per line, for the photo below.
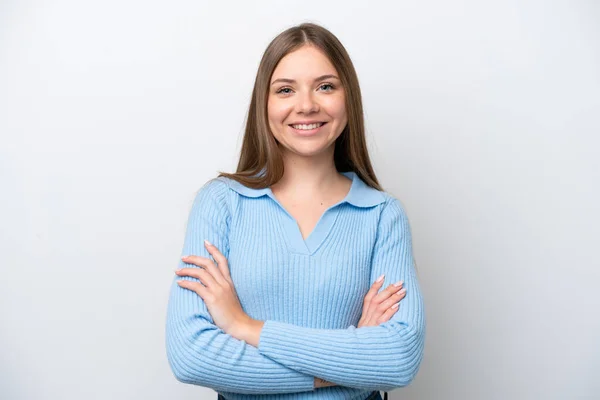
336 107
277 112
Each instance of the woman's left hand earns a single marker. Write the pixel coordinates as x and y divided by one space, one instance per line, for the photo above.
216 288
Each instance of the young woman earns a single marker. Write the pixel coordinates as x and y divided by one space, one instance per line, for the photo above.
303 238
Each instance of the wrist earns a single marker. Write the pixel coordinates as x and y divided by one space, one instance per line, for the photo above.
319 383
248 330
239 327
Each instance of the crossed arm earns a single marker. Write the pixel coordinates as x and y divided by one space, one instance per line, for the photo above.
290 358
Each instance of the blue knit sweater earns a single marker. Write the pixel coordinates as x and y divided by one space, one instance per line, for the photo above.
309 293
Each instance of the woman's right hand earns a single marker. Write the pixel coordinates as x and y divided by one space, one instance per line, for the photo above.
379 307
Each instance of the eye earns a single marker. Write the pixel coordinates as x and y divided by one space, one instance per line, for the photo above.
282 90
327 85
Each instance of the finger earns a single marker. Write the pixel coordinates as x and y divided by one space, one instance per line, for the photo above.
388 314
396 297
193 286
388 291
219 259
191 271
199 273
205 263
372 292
200 261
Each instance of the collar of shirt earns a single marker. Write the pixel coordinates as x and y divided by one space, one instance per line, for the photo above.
360 194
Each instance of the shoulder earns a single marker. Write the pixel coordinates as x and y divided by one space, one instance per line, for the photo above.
210 208
392 210
390 202
213 194
215 186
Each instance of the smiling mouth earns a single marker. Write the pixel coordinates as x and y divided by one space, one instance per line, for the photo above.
307 127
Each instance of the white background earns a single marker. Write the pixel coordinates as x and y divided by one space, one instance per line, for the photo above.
482 118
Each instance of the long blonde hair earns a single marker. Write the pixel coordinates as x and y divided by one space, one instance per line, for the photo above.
260 151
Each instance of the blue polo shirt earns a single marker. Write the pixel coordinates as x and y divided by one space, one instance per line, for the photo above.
309 292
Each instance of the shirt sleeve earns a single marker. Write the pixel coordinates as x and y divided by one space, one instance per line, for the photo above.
380 357
198 351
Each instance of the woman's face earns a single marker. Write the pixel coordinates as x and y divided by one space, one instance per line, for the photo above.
306 103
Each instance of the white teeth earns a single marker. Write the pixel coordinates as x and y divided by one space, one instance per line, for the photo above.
308 127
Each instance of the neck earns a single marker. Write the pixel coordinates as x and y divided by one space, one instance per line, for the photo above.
309 176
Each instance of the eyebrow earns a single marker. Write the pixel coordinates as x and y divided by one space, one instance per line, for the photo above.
328 76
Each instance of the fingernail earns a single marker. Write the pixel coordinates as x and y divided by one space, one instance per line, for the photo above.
206 242
184 257
398 284
380 278
396 305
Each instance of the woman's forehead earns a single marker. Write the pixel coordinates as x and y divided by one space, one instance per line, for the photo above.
304 64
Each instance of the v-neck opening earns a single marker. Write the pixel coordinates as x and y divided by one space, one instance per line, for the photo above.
316 237
319 232
359 195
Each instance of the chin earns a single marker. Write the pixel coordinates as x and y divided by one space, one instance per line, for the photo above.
308 151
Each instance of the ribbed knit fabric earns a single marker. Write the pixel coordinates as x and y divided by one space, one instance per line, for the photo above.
309 293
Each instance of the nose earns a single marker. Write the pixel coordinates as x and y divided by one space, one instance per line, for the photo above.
306 103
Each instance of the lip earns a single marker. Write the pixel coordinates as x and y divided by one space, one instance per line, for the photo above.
307 122
305 132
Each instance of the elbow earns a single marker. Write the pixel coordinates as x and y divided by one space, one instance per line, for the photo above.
180 373
410 357
178 366
183 369
183 377
406 377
